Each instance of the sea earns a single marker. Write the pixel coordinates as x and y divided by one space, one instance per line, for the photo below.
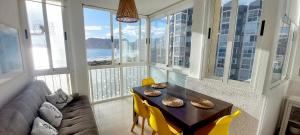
98 54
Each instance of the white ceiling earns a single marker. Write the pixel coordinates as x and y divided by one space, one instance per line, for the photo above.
144 7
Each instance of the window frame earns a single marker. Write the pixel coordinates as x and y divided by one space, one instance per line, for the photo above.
51 70
286 65
169 67
120 62
211 58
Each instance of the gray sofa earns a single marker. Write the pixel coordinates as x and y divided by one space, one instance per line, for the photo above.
17 116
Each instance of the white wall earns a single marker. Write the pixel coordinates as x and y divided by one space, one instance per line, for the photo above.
294 86
9 15
250 103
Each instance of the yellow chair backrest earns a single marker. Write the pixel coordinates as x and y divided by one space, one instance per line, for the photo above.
223 124
139 107
148 81
157 121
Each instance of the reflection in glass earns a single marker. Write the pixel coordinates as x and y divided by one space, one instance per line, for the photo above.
159 75
158 44
130 41
281 51
247 25
177 78
116 41
143 46
180 38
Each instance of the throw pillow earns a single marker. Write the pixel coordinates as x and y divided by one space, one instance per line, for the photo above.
50 114
40 127
59 99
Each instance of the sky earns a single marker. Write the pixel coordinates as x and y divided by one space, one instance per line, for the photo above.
158 27
97 25
241 2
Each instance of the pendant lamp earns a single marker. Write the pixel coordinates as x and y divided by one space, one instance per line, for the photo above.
127 12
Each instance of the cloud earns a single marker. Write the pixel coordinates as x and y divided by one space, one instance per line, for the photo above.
91 27
158 31
131 31
89 34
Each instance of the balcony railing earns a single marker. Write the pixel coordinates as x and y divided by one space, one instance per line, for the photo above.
114 81
57 81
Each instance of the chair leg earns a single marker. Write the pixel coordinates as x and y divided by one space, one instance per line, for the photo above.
153 132
134 122
143 125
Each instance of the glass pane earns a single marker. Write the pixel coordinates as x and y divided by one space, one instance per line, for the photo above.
247 28
130 41
180 38
279 60
159 75
38 38
97 37
56 32
53 2
143 46
158 45
177 78
222 37
116 34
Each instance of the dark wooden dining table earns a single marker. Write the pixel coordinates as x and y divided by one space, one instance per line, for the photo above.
187 117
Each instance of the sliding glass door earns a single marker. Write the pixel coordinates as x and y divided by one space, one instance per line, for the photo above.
116 53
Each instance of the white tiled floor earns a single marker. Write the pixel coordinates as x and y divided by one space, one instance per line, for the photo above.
115 118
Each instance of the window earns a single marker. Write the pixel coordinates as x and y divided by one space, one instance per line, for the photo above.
98 36
222 35
281 52
254 14
48 43
158 38
111 42
130 41
246 57
47 35
176 29
245 36
116 39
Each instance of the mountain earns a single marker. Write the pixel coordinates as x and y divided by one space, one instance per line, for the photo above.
98 43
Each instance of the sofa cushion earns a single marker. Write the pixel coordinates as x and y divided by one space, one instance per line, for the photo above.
50 114
78 118
16 117
59 99
40 127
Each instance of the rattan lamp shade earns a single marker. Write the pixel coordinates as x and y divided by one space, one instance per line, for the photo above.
127 12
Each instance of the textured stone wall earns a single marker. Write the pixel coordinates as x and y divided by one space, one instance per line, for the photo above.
249 102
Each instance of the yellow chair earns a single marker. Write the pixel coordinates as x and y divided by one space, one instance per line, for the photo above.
140 109
148 81
220 127
159 124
